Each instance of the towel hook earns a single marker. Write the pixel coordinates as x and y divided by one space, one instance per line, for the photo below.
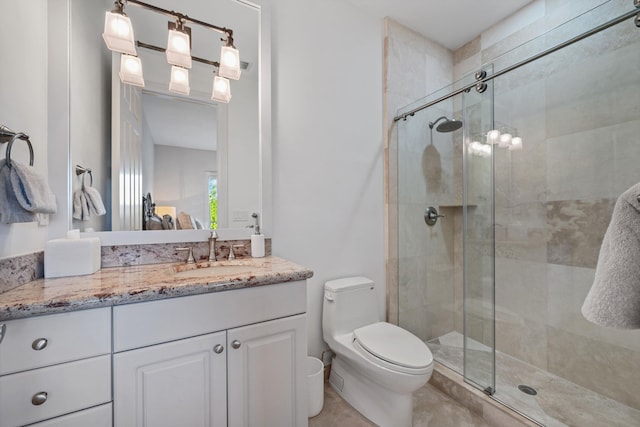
24 137
80 170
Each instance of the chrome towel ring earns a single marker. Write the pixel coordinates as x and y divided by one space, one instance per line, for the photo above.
7 134
25 138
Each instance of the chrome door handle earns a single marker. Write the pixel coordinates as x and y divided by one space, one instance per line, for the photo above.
39 398
219 348
39 344
236 344
431 216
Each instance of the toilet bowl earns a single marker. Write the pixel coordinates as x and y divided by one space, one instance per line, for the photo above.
377 365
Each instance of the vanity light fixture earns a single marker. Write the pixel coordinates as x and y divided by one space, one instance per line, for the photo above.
179 45
118 36
179 80
118 32
221 89
131 70
516 143
229 61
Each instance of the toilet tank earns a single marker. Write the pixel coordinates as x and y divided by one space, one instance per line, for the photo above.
348 303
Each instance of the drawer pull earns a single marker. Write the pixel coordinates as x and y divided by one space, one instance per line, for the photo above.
236 344
219 348
39 344
39 398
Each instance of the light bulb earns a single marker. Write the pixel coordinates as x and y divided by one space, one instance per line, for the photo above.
131 70
179 49
120 27
516 143
493 137
118 33
505 140
229 63
179 80
221 90
132 65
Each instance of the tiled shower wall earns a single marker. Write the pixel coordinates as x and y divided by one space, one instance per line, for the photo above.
577 113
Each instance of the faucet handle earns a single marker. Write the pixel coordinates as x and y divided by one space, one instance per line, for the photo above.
190 258
213 234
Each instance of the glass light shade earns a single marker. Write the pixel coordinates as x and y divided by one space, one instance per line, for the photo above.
179 49
474 147
118 33
485 151
493 137
516 143
179 80
505 140
221 90
229 63
131 70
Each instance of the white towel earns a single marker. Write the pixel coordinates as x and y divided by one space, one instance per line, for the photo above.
614 298
96 207
31 189
10 210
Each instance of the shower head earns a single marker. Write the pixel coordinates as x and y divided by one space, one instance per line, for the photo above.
449 125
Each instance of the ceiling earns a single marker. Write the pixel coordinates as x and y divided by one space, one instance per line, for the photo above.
451 23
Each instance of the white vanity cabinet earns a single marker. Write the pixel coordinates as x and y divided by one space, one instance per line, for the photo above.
230 358
55 365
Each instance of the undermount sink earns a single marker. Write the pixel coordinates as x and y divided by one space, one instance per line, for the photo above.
219 268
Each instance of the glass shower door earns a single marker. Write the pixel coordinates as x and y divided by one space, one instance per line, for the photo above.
478 241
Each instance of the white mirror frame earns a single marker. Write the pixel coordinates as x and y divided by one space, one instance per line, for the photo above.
59 138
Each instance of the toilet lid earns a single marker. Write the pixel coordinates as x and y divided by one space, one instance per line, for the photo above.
394 345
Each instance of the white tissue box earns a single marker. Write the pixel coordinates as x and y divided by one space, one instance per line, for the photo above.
71 257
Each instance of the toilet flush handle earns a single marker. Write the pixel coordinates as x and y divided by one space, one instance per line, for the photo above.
329 296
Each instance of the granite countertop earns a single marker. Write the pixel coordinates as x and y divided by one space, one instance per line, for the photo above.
124 285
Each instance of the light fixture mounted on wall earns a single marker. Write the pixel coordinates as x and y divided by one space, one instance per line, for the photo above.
118 36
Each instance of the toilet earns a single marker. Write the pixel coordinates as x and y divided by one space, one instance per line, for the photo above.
377 365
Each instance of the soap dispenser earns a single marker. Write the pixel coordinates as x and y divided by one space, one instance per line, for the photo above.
257 239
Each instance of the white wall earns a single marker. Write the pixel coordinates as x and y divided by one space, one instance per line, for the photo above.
23 91
328 155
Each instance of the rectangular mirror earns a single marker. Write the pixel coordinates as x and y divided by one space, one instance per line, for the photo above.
183 150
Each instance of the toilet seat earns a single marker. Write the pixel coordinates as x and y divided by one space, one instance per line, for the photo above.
393 347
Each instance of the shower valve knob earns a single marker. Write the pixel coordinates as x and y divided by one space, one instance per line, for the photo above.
431 216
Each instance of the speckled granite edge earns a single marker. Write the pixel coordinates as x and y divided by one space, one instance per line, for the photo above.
17 271
126 285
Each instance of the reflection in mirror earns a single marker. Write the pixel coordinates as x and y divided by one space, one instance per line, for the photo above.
179 149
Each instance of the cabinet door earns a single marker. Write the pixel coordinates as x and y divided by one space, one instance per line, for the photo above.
182 383
266 374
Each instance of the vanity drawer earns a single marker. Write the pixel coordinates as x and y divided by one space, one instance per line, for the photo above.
69 387
62 338
100 416
148 323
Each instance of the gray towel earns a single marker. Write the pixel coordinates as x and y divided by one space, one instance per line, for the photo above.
96 207
10 209
77 204
31 189
614 298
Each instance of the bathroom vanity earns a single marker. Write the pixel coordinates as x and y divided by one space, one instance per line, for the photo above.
221 344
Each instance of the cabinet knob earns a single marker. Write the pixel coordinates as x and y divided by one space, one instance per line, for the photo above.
236 344
39 398
39 344
219 348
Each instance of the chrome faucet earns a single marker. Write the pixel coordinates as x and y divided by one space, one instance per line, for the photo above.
212 245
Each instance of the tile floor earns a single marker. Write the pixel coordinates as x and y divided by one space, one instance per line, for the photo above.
431 408
559 403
